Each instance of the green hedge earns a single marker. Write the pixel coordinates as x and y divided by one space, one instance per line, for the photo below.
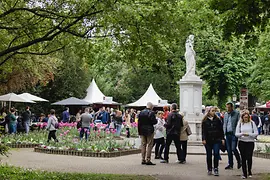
14 173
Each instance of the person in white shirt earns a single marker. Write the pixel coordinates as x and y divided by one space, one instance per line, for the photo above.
159 140
247 132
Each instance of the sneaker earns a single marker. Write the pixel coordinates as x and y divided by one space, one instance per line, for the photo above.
216 172
228 167
177 161
250 176
209 172
143 162
239 165
164 161
150 163
243 177
182 162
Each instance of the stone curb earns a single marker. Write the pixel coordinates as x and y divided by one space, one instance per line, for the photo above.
87 153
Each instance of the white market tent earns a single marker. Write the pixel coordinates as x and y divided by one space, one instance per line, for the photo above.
12 97
95 96
149 96
32 97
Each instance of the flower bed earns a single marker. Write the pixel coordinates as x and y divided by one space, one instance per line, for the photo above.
87 153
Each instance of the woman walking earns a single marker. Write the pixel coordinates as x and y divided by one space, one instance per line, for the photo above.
159 140
247 132
118 121
212 137
127 122
184 133
51 126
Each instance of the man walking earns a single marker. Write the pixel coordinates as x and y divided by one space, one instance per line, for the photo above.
86 118
173 127
231 119
66 115
146 122
257 120
26 119
267 123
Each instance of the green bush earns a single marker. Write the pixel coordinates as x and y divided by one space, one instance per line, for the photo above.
4 150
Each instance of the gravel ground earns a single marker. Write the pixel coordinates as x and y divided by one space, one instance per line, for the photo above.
195 168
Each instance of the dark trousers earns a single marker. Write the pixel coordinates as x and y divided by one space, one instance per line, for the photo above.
128 133
231 144
52 135
183 154
159 146
210 148
246 151
84 130
176 139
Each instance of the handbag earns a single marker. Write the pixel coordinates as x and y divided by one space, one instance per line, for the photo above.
223 147
188 131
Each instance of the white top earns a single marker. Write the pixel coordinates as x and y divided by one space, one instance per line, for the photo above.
159 129
246 128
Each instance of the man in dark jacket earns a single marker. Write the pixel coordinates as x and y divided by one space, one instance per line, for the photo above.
146 122
173 126
26 119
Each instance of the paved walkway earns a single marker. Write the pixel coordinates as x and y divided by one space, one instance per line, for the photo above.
194 169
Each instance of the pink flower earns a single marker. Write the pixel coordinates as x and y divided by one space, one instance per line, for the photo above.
107 132
92 125
99 131
61 134
79 129
88 132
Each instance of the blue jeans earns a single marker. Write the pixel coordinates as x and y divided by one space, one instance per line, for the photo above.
259 130
210 148
12 128
118 129
26 126
231 144
84 130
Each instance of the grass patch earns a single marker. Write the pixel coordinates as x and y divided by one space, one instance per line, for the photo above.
15 173
264 177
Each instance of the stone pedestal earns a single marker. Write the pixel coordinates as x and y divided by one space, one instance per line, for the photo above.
191 103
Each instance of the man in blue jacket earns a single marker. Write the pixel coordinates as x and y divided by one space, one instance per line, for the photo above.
231 119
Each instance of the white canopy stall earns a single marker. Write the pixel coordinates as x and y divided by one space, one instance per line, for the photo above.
96 97
32 97
149 96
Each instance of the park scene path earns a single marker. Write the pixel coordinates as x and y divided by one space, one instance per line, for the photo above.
195 168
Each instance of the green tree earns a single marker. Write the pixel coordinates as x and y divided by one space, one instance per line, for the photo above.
259 81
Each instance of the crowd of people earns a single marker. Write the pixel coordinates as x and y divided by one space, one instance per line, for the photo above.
231 130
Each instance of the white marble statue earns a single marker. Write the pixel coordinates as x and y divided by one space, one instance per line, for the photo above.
190 56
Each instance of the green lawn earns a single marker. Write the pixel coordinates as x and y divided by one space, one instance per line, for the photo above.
14 173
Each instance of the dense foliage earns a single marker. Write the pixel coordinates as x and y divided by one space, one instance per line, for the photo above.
54 48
